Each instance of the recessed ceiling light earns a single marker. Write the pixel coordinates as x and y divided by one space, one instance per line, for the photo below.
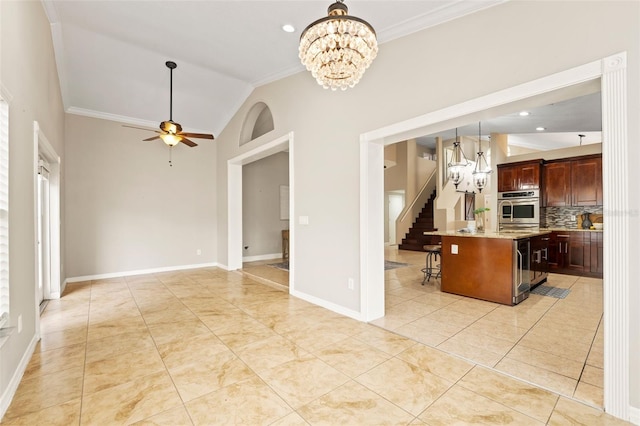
524 113
541 128
288 28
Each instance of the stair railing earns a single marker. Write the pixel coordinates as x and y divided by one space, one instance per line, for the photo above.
412 210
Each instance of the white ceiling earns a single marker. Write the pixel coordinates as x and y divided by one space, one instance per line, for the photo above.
111 54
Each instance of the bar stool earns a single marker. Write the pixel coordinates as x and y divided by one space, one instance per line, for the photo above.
433 251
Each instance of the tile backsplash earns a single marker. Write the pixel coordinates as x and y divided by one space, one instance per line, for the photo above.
560 217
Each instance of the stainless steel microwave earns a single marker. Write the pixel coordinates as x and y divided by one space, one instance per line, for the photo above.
519 208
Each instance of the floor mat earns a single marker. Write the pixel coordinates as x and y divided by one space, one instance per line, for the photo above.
388 264
544 290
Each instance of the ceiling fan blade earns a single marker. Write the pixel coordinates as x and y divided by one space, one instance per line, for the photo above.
151 138
141 128
188 142
197 135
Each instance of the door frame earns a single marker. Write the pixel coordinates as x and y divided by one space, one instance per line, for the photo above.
612 72
234 200
42 147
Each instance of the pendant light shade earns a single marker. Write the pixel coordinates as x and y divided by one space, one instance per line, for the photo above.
337 49
458 163
482 169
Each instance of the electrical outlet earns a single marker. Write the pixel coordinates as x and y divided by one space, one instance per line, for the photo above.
573 217
454 249
350 283
198 252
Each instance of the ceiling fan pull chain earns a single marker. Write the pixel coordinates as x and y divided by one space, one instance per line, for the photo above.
170 151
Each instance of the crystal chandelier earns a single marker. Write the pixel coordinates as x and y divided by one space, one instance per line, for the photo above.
482 169
339 48
458 163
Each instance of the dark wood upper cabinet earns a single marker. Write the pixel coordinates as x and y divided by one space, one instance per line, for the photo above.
518 176
586 181
557 184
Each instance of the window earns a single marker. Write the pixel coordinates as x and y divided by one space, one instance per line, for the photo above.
4 212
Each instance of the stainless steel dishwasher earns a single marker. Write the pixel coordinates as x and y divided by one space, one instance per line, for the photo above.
521 269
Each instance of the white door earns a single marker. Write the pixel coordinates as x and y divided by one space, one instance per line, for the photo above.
44 240
396 204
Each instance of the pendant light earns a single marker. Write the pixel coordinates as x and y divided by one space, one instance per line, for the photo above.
482 169
458 163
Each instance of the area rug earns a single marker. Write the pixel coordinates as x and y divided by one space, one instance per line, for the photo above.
282 265
388 264
558 293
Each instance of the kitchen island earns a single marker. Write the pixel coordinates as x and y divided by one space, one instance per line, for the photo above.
492 266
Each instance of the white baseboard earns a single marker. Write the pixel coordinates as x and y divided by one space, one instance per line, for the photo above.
634 415
138 272
11 389
328 305
262 257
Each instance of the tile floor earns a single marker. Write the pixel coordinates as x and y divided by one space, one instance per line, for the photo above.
213 347
554 343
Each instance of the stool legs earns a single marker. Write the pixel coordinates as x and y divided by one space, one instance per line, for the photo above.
429 269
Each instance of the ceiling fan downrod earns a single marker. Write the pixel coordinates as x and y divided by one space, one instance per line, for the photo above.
171 65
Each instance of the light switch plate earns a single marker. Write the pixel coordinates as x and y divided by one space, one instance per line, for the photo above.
303 220
454 249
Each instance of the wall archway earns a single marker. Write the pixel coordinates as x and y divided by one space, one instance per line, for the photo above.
258 122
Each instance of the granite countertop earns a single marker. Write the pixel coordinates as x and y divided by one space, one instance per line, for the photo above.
569 229
506 235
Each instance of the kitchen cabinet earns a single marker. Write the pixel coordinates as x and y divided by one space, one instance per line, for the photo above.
518 176
576 253
573 182
556 184
586 181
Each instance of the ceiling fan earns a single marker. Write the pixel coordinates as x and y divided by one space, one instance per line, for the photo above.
171 132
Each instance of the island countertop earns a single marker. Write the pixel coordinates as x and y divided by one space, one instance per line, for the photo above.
505 235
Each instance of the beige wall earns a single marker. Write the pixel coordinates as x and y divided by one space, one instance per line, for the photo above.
415 75
127 209
28 74
261 223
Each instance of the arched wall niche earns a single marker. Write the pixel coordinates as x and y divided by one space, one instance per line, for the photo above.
258 122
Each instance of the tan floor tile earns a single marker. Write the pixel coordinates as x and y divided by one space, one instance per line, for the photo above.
572 413
317 338
168 316
564 366
539 376
130 402
270 352
419 334
64 414
590 394
114 326
593 376
384 340
490 343
173 417
110 372
178 331
250 402
47 362
502 331
337 407
189 351
406 385
352 357
118 344
301 381
520 396
244 332
219 370
292 419
59 339
462 407
443 328
450 316
437 362
596 356
473 353
46 391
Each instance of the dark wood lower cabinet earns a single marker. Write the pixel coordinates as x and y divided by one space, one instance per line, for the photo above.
576 253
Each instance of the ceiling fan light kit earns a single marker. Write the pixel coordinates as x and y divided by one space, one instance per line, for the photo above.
338 48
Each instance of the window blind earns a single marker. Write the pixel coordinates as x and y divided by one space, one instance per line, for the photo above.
4 212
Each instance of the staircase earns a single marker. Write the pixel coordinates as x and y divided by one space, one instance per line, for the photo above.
415 239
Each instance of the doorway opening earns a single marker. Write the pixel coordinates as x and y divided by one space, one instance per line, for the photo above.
46 191
236 246
612 72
